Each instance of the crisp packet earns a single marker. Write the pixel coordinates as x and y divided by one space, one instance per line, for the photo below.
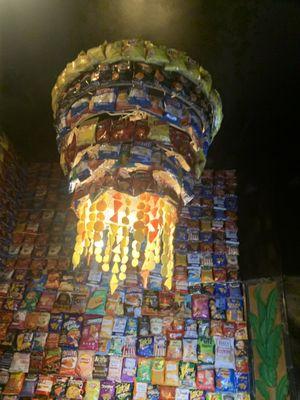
107 327
107 390
56 323
24 341
182 394
51 361
206 350
174 349
115 368
166 393
29 386
59 387
190 350
20 362
140 391
144 370
92 389
200 306
90 334
68 362
205 379
129 369
74 389
158 369
123 391
242 382
84 366
44 385
196 394
116 346
14 384
224 353
97 302
225 380
187 373
100 368
145 346
171 373
70 334
160 346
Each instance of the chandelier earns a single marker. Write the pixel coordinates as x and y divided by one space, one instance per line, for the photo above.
134 122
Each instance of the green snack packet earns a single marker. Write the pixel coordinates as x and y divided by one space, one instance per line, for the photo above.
177 61
156 54
187 373
206 81
116 346
97 54
113 52
96 303
206 350
134 50
144 370
215 101
158 130
123 391
192 72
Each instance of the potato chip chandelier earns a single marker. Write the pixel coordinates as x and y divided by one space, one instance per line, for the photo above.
134 122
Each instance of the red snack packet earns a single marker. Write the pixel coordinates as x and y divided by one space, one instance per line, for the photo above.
205 379
167 393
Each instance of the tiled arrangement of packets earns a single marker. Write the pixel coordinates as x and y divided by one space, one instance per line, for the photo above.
63 335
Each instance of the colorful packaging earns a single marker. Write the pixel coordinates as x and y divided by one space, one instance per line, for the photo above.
129 369
92 389
206 353
225 380
224 353
205 379
84 366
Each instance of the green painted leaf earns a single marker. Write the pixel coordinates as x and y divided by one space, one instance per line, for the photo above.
254 323
263 389
262 351
272 303
261 307
268 374
263 330
274 345
282 389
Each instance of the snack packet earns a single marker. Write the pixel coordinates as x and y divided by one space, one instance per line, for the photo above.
157 373
84 366
224 353
225 380
205 379
129 369
206 354
107 390
144 370
171 373
92 389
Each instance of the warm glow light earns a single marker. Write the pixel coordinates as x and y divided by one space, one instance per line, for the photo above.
118 229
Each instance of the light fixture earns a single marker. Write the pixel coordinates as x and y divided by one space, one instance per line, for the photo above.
134 122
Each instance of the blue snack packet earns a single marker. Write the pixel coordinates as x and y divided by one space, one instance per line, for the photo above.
235 290
104 100
221 289
173 110
145 346
219 259
225 380
139 96
56 322
242 382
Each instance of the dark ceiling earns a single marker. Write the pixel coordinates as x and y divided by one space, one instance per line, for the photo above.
251 48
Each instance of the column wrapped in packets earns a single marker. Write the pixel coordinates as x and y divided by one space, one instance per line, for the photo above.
134 122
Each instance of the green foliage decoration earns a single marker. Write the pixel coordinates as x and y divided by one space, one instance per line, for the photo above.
267 339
